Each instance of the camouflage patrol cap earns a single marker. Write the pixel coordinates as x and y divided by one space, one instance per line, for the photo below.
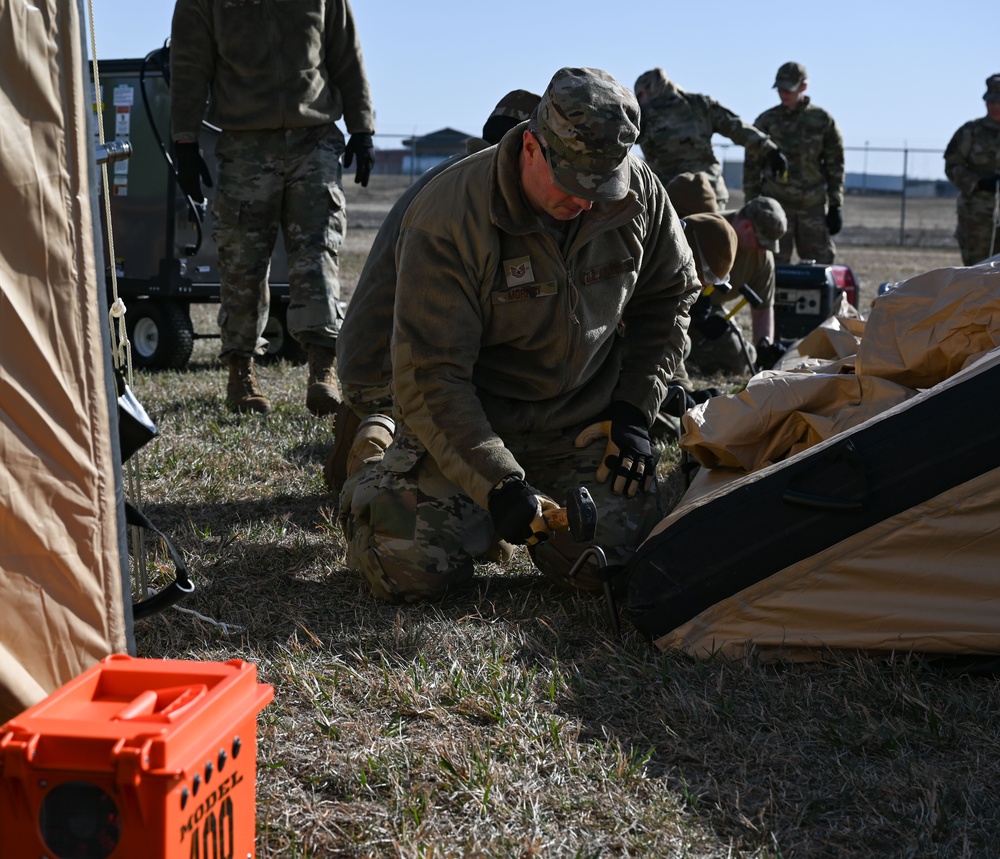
992 88
713 242
513 109
517 104
691 193
768 219
650 84
790 76
588 122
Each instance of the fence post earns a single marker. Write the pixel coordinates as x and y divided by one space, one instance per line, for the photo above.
902 208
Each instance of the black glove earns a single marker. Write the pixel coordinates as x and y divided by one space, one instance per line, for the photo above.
700 309
768 353
361 145
988 183
629 455
712 327
514 505
191 170
834 220
777 162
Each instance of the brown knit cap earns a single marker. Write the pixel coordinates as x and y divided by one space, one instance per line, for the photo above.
691 193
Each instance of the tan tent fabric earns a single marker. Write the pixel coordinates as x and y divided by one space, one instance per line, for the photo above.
836 338
932 569
919 334
932 325
924 579
60 564
780 414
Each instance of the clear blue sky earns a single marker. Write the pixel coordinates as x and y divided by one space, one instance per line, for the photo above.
892 74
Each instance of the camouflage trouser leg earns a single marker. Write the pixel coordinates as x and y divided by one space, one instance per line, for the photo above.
976 230
722 354
314 223
811 237
410 531
246 210
413 534
365 401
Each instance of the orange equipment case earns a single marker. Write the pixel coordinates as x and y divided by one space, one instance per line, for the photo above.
150 758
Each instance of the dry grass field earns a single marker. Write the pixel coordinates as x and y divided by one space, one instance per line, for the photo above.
507 720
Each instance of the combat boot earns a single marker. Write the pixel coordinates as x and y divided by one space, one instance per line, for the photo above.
323 393
242 392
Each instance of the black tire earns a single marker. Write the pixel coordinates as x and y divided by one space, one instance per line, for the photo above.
281 344
161 334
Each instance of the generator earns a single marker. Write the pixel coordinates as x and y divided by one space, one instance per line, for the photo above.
805 293
164 256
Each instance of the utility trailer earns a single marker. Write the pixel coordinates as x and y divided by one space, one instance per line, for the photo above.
164 259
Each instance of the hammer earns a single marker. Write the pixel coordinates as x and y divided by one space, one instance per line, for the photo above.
579 515
748 296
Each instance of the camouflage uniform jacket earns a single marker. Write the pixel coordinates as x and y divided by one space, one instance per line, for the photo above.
363 358
812 142
973 152
677 129
266 64
500 329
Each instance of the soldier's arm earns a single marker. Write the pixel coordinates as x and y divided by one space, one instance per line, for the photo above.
753 164
833 164
346 67
956 161
192 67
728 124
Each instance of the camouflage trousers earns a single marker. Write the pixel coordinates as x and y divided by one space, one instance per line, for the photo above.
413 534
977 228
808 234
722 354
287 179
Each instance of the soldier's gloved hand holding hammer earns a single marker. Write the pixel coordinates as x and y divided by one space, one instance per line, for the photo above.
629 454
518 511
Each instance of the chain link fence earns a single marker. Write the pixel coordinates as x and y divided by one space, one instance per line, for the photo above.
893 196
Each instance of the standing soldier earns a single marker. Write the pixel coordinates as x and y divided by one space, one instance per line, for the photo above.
812 192
972 162
676 132
276 76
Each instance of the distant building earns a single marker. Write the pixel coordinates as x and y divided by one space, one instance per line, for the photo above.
431 149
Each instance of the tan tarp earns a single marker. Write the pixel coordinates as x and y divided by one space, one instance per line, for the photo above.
923 580
60 559
917 335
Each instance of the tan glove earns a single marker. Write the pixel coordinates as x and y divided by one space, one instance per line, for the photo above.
592 433
374 435
540 528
